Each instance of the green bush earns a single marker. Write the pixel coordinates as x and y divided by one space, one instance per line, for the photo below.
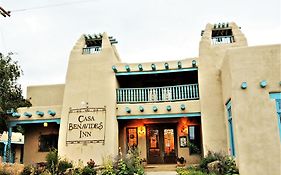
3 172
27 170
87 170
63 166
52 159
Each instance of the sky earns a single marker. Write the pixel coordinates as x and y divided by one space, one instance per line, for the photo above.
42 33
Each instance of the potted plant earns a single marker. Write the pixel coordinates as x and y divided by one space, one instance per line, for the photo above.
181 162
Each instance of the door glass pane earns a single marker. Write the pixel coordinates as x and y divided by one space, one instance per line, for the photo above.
132 137
169 144
154 138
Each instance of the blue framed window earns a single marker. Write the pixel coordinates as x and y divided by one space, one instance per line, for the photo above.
277 97
230 127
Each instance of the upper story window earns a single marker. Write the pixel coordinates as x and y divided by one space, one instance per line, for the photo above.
94 43
222 34
277 97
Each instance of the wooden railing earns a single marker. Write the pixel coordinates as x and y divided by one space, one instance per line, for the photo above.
222 40
91 50
157 94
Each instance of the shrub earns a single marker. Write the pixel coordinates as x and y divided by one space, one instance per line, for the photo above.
63 166
27 170
52 161
3 172
87 170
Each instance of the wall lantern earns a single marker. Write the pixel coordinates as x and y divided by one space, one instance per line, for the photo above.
127 67
141 109
169 108
182 107
179 65
27 114
153 66
114 69
140 67
263 83
128 110
244 85
52 113
166 66
141 130
40 113
15 114
184 129
193 63
154 108
45 124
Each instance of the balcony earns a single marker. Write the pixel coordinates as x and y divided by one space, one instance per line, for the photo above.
158 94
91 50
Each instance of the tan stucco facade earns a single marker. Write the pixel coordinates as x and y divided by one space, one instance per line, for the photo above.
183 93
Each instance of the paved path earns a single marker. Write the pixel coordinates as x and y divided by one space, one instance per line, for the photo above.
161 173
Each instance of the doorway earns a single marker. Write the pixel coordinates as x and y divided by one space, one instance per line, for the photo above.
161 143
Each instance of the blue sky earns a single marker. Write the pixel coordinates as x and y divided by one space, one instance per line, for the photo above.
43 32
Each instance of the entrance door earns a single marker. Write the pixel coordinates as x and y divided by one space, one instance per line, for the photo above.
161 143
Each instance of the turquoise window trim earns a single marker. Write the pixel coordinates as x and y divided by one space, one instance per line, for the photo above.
230 128
156 71
277 97
20 122
125 117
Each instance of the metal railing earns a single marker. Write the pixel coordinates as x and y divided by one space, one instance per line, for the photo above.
91 50
222 40
157 94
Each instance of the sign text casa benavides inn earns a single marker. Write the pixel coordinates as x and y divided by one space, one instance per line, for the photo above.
86 125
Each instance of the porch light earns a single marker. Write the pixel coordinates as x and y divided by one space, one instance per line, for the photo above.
45 124
127 67
27 114
141 109
166 66
141 130
179 65
169 108
128 110
244 85
193 63
52 113
15 114
184 130
40 113
153 66
114 69
140 67
263 83
154 108
182 107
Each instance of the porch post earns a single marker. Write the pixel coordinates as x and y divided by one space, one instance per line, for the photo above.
5 149
8 151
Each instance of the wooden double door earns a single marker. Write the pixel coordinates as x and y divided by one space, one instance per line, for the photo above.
161 142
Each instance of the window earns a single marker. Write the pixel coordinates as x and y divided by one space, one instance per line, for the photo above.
277 97
194 138
230 127
132 137
47 142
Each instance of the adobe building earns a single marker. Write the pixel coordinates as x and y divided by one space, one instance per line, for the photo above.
228 99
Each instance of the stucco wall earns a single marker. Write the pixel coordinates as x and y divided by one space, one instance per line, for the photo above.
31 142
256 131
45 95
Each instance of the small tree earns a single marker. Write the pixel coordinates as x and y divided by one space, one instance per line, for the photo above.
10 91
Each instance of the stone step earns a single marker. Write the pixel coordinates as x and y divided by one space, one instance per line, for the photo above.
160 167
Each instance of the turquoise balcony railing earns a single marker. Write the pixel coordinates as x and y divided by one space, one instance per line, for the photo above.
158 94
91 50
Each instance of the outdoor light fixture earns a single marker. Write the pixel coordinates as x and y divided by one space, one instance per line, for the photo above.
182 107
244 85
128 110
184 129
45 124
40 113
166 66
52 113
127 67
193 63
27 114
140 67
154 108
141 109
263 83
114 69
169 108
141 130
153 66
179 65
